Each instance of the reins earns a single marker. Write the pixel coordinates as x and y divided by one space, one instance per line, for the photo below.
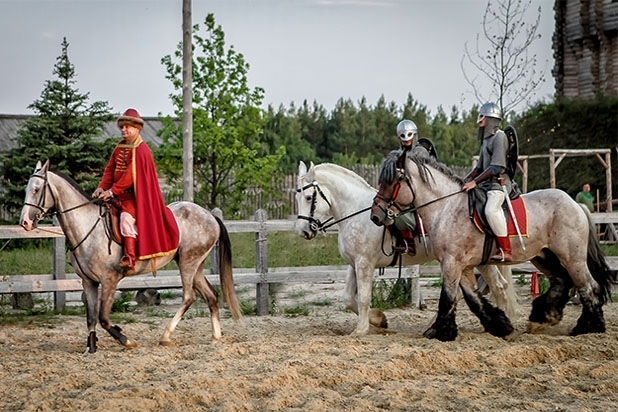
45 214
315 224
415 208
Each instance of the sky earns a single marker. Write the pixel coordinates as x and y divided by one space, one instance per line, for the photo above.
314 50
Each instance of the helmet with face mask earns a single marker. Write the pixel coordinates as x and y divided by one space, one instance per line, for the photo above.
407 130
489 110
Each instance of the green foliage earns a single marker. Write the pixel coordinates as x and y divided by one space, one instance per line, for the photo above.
570 124
62 131
123 303
229 155
391 293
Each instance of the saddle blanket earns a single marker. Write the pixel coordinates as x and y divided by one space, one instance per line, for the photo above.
521 213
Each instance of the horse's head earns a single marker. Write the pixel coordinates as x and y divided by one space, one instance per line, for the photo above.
39 198
392 196
312 204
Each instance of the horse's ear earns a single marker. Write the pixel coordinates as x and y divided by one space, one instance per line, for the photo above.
311 172
302 168
38 166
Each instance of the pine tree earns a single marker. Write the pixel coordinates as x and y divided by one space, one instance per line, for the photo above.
63 131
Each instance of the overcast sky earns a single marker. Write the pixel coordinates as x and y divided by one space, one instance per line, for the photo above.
298 50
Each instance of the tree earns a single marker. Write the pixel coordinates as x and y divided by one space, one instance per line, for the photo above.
511 71
63 131
227 124
283 129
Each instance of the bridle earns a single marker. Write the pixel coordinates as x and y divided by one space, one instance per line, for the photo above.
390 201
315 224
45 213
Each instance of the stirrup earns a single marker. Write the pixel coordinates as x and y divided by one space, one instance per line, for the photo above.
126 263
500 256
405 248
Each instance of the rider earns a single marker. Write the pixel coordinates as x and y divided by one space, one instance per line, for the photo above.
131 179
404 225
489 174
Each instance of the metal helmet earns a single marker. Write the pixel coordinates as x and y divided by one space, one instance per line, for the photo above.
406 130
489 110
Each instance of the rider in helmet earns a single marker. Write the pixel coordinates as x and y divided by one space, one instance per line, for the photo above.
408 138
404 225
489 174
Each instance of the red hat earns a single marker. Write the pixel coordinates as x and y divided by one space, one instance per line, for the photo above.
132 117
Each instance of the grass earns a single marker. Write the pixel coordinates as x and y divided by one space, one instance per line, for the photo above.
285 249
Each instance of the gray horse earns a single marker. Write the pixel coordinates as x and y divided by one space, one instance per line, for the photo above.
561 242
95 257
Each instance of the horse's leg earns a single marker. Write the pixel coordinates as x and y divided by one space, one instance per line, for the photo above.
444 327
592 297
210 297
108 289
363 279
547 309
188 297
350 291
499 287
91 294
493 319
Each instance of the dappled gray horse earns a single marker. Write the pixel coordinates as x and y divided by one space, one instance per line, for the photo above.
561 242
95 257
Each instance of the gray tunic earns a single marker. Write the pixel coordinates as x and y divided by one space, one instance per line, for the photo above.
493 155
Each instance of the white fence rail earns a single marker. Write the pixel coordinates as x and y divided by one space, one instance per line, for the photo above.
61 282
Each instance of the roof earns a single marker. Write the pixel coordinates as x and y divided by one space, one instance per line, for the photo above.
11 123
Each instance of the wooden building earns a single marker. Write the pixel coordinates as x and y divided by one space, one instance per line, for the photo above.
585 44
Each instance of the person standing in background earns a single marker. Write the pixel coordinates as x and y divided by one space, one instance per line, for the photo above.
585 197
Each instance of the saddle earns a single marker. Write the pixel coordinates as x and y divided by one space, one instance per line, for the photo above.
111 217
476 206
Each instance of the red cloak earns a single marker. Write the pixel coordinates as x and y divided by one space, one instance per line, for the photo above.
157 230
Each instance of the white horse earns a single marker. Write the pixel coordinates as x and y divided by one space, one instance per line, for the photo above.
328 191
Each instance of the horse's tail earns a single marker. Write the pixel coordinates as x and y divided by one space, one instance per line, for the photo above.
597 264
225 271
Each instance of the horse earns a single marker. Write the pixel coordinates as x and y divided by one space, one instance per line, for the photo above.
328 191
95 256
560 241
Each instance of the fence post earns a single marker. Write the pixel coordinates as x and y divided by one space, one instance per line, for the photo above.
416 296
214 253
59 267
261 264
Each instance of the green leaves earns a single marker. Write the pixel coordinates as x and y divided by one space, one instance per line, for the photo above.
63 131
229 155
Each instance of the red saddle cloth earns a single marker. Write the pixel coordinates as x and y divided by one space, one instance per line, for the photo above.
521 213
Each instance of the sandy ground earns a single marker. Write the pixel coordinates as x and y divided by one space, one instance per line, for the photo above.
309 363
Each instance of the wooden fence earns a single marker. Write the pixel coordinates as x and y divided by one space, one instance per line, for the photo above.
61 282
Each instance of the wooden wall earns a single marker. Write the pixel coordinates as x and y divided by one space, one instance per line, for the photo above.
585 47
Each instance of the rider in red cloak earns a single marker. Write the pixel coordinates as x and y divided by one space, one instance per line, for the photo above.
131 178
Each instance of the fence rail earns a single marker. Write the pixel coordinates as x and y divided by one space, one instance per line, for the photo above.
60 282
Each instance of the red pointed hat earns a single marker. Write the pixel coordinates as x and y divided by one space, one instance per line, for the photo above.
132 117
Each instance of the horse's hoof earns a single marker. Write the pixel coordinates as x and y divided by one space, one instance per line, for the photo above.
165 343
535 327
513 336
430 333
131 344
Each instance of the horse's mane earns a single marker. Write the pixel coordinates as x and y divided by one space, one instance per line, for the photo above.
342 170
72 183
392 163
